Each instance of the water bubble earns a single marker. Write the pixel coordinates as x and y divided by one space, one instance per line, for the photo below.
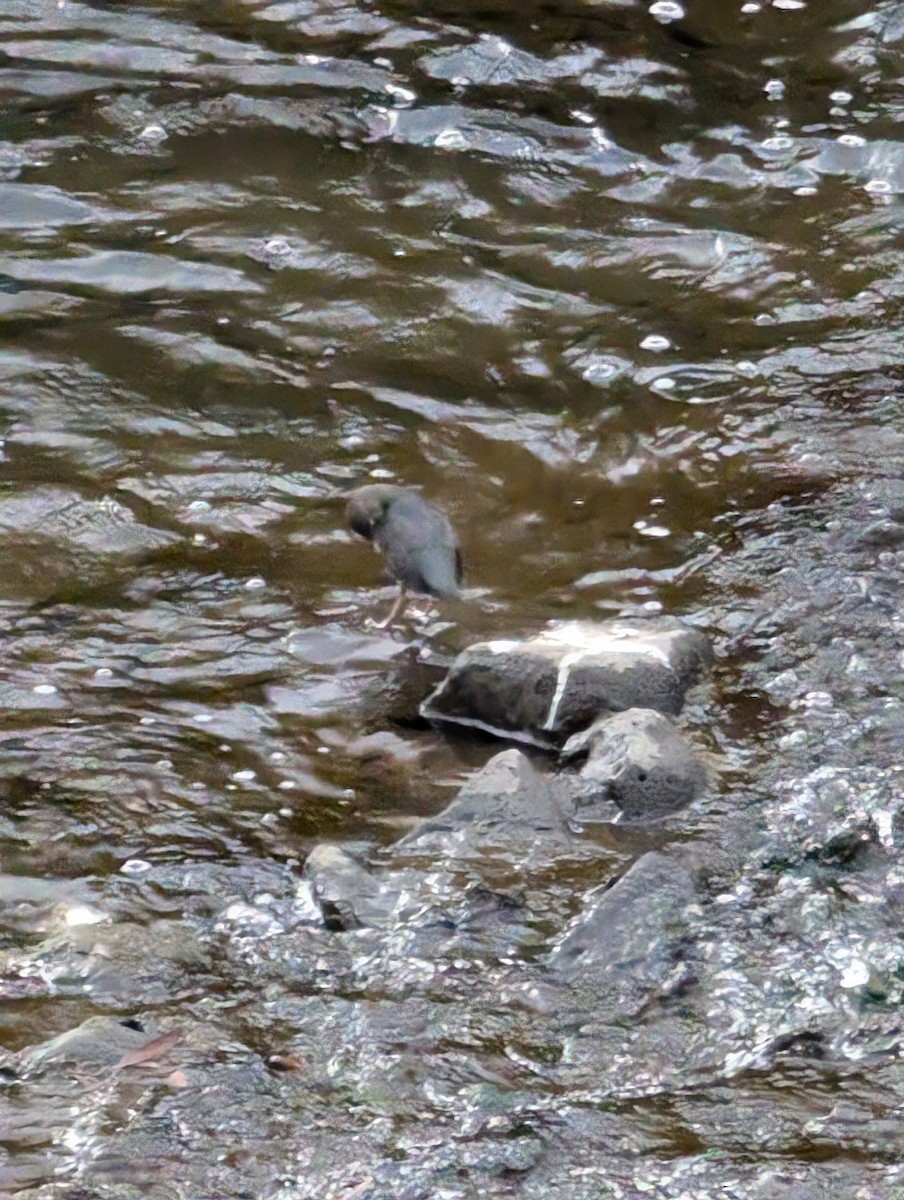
255 583
277 756
135 866
780 141
153 133
655 341
244 776
665 383
840 97
83 914
774 89
805 191
103 673
286 785
788 4
666 11
852 139
750 7
598 371
855 974
585 118
451 139
878 187
381 473
44 689
653 531
199 506
401 94
278 246
203 718
198 539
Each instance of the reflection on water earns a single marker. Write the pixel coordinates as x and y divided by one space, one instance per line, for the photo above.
606 282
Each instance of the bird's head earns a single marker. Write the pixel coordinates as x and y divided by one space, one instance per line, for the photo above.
368 508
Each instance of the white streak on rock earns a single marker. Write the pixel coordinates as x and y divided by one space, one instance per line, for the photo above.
568 661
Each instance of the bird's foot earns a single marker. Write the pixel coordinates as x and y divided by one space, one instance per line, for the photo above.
370 623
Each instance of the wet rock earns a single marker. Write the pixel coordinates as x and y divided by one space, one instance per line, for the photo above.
103 1041
544 689
507 803
75 540
348 895
835 815
628 940
887 492
880 535
126 963
637 759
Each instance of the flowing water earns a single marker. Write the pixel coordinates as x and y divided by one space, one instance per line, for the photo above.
617 285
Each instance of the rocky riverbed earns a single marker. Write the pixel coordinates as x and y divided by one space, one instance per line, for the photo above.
294 909
499 1003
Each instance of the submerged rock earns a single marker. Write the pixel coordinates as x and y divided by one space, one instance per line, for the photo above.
544 689
99 1040
507 803
628 941
348 895
638 760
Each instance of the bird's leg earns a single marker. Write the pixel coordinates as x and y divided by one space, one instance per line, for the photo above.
394 612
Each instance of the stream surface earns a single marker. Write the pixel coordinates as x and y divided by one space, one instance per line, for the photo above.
620 287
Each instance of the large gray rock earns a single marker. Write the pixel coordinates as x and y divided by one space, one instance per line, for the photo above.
637 759
507 803
628 941
544 689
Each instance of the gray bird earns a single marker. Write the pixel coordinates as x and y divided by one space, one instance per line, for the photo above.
414 536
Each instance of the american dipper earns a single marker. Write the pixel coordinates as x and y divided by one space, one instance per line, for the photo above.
413 535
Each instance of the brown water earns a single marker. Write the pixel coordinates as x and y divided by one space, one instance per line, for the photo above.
606 285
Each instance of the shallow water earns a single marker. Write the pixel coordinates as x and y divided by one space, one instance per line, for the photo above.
620 292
